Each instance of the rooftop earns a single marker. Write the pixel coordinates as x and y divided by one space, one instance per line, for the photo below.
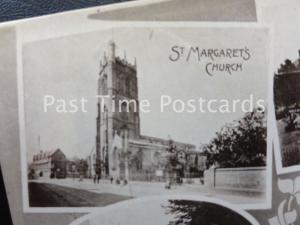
44 154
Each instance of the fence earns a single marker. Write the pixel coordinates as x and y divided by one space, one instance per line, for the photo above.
291 155
248 179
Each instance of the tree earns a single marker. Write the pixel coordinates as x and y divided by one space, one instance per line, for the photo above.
240 144
172 160
290 120
174 166
186 212
82 166
136 161
287 66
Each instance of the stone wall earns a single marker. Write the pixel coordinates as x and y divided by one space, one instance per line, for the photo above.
248 179
291 154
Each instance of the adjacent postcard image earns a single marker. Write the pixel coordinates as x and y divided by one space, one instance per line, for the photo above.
141 110
169 210
286 100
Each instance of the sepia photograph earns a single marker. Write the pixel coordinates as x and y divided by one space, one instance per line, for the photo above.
286 99
286 83
153 112
134 111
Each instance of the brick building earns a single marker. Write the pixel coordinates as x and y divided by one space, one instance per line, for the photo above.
50 164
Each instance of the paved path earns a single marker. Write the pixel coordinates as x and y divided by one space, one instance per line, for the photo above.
140 189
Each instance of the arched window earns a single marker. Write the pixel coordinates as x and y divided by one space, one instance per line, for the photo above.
124 107
104 84
104 114
124 110
115 157
128 86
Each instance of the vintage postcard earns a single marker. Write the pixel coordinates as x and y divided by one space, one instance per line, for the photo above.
144 109
286 83
117 115
286 101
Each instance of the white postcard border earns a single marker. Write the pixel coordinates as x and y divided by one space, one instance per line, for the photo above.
109 25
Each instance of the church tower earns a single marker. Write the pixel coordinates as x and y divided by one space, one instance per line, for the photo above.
117 84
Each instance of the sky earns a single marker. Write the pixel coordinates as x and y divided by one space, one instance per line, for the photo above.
68 68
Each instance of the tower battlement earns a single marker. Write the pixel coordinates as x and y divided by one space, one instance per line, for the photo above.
125 62
114 58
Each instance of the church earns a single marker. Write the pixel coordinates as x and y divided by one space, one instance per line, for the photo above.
122 152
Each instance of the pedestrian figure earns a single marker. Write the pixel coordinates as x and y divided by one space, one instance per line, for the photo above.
98 178
94 178
296 107
168 185
111 180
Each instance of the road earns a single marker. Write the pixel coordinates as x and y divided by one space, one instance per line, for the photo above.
51 195
185 10
134 189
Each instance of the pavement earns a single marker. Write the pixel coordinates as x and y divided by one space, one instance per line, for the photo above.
140 189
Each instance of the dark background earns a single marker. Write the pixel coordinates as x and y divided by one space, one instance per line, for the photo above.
5 217
19 9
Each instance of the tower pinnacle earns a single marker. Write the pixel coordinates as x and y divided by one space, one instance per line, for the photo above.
112 50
